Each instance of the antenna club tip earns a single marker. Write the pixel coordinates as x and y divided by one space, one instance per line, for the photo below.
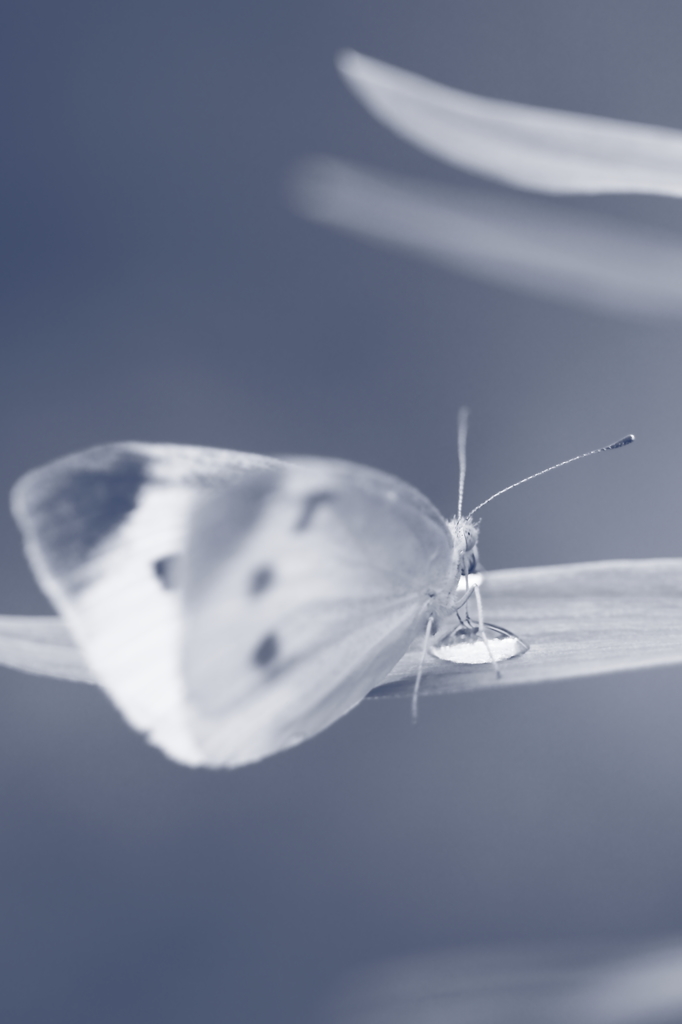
623 441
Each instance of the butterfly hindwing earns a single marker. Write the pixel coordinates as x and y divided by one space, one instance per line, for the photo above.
103 530
289 626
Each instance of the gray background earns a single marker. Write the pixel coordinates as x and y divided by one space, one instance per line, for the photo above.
156 287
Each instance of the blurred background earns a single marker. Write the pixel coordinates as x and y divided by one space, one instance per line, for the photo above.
157 286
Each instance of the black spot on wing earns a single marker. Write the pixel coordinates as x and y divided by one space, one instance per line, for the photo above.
261 580
311 503
266 651
220 525
70 506
166 570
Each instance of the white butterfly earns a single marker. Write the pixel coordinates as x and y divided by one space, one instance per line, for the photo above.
234 605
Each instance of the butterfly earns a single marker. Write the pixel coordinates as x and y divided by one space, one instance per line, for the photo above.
234 605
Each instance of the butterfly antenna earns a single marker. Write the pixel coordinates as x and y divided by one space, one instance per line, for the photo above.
462 429
607 448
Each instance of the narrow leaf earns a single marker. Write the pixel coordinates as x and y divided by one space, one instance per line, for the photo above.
524 244
528 147
581 619
42 645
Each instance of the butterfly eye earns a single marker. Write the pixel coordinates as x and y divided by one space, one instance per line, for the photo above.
261 580
470 536
166 570
266 650
311 503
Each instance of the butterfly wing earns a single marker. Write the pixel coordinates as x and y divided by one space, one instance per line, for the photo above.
288 625
102 532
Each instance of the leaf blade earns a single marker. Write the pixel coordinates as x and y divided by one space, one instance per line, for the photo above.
41 645
528 147
524 244
581 619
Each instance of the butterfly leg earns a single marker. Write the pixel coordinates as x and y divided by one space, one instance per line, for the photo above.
453 616
481 631
417 682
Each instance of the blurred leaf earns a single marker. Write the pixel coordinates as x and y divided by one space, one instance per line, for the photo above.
521 243
524 146
578 984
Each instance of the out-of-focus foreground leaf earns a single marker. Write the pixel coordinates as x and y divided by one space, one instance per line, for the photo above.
580 619
528 147
588 984
524 244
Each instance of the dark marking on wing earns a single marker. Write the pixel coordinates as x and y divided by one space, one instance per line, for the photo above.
310 505
75 503
266 651
261 580
166 570
220 523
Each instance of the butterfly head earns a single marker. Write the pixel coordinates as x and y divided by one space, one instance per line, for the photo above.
464 532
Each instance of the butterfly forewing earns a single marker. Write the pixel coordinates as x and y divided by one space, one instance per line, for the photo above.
289 628
103 531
